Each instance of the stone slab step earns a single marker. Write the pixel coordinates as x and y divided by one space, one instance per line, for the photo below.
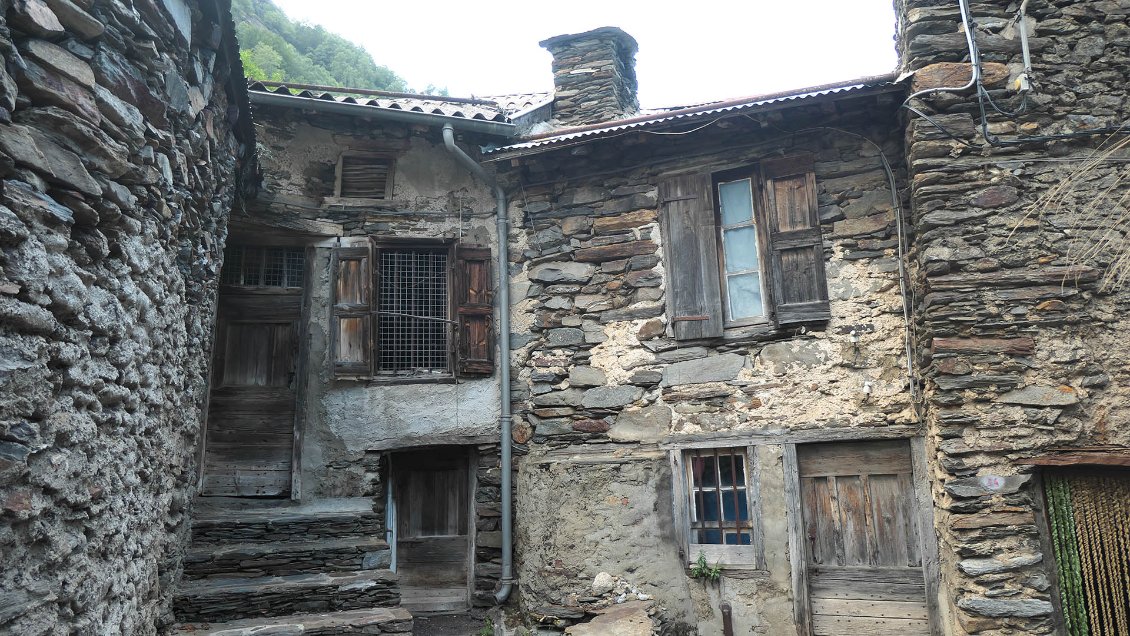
379 620
335 554
226 599
223 520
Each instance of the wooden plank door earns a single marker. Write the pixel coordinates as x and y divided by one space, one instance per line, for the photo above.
251 415
432 493
865 573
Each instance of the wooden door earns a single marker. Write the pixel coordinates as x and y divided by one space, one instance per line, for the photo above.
432 497
864 565
251 415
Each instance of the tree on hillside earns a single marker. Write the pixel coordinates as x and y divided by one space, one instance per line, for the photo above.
275 48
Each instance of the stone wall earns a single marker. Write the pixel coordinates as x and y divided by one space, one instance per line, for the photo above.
1020 343
117 160
599 381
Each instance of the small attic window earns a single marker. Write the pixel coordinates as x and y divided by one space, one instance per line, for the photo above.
361 176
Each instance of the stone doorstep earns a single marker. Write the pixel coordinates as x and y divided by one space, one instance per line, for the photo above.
223 598
389 620
262 526
276 558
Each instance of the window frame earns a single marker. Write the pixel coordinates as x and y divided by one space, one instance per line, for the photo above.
470 310
731 557
791 249
768 302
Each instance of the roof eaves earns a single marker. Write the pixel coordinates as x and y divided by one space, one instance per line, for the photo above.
564 138
393 112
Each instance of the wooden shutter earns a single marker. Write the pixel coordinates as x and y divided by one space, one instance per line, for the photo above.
352 325
796 252
694 301
363 176
475 310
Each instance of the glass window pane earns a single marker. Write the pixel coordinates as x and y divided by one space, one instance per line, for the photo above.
731 466
744 293
729 498
736 201
740 538
706 506
703 469
740 246
709 536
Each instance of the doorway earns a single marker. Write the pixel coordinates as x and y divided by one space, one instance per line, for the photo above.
249 448
431 528
864 556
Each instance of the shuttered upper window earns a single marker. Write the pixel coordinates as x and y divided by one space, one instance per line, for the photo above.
364 176
744 247
393 307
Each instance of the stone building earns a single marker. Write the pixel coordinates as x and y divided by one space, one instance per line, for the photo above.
124 137
809 362
355 403
815 362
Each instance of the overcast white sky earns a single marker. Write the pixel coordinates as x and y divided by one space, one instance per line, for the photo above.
690 52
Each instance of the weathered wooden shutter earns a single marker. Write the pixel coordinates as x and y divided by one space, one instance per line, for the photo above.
475 351
363 176
352 325
694 301
800 287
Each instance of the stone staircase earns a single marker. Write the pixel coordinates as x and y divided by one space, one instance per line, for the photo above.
280 568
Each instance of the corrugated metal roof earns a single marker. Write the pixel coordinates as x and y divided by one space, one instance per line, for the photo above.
580 134
477 109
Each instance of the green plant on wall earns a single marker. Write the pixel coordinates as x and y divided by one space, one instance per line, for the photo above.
700 569
487 629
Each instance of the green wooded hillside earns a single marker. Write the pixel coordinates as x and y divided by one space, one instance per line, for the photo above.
275 48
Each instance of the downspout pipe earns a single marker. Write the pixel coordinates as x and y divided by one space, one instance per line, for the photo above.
504 420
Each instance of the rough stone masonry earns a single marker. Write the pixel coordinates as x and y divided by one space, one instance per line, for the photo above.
118 164
1023 350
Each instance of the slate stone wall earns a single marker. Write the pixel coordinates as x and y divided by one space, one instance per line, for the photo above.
1018 337
599 381
594 76
118 170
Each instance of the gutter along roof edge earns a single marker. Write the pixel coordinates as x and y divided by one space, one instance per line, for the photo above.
578 135
462 124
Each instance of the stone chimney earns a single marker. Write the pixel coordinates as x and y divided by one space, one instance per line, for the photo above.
594 76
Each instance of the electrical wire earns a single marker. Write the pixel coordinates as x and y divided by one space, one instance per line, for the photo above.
983 96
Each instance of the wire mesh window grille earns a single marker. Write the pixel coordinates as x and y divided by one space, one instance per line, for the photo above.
251 266
412 312
719 497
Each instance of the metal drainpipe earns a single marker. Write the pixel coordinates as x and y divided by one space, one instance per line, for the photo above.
507 579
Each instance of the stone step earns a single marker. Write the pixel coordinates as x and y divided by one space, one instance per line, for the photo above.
226 599
221 520
377 620
345 554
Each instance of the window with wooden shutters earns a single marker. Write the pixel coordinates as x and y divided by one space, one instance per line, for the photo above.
392 311
743 247
364 176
